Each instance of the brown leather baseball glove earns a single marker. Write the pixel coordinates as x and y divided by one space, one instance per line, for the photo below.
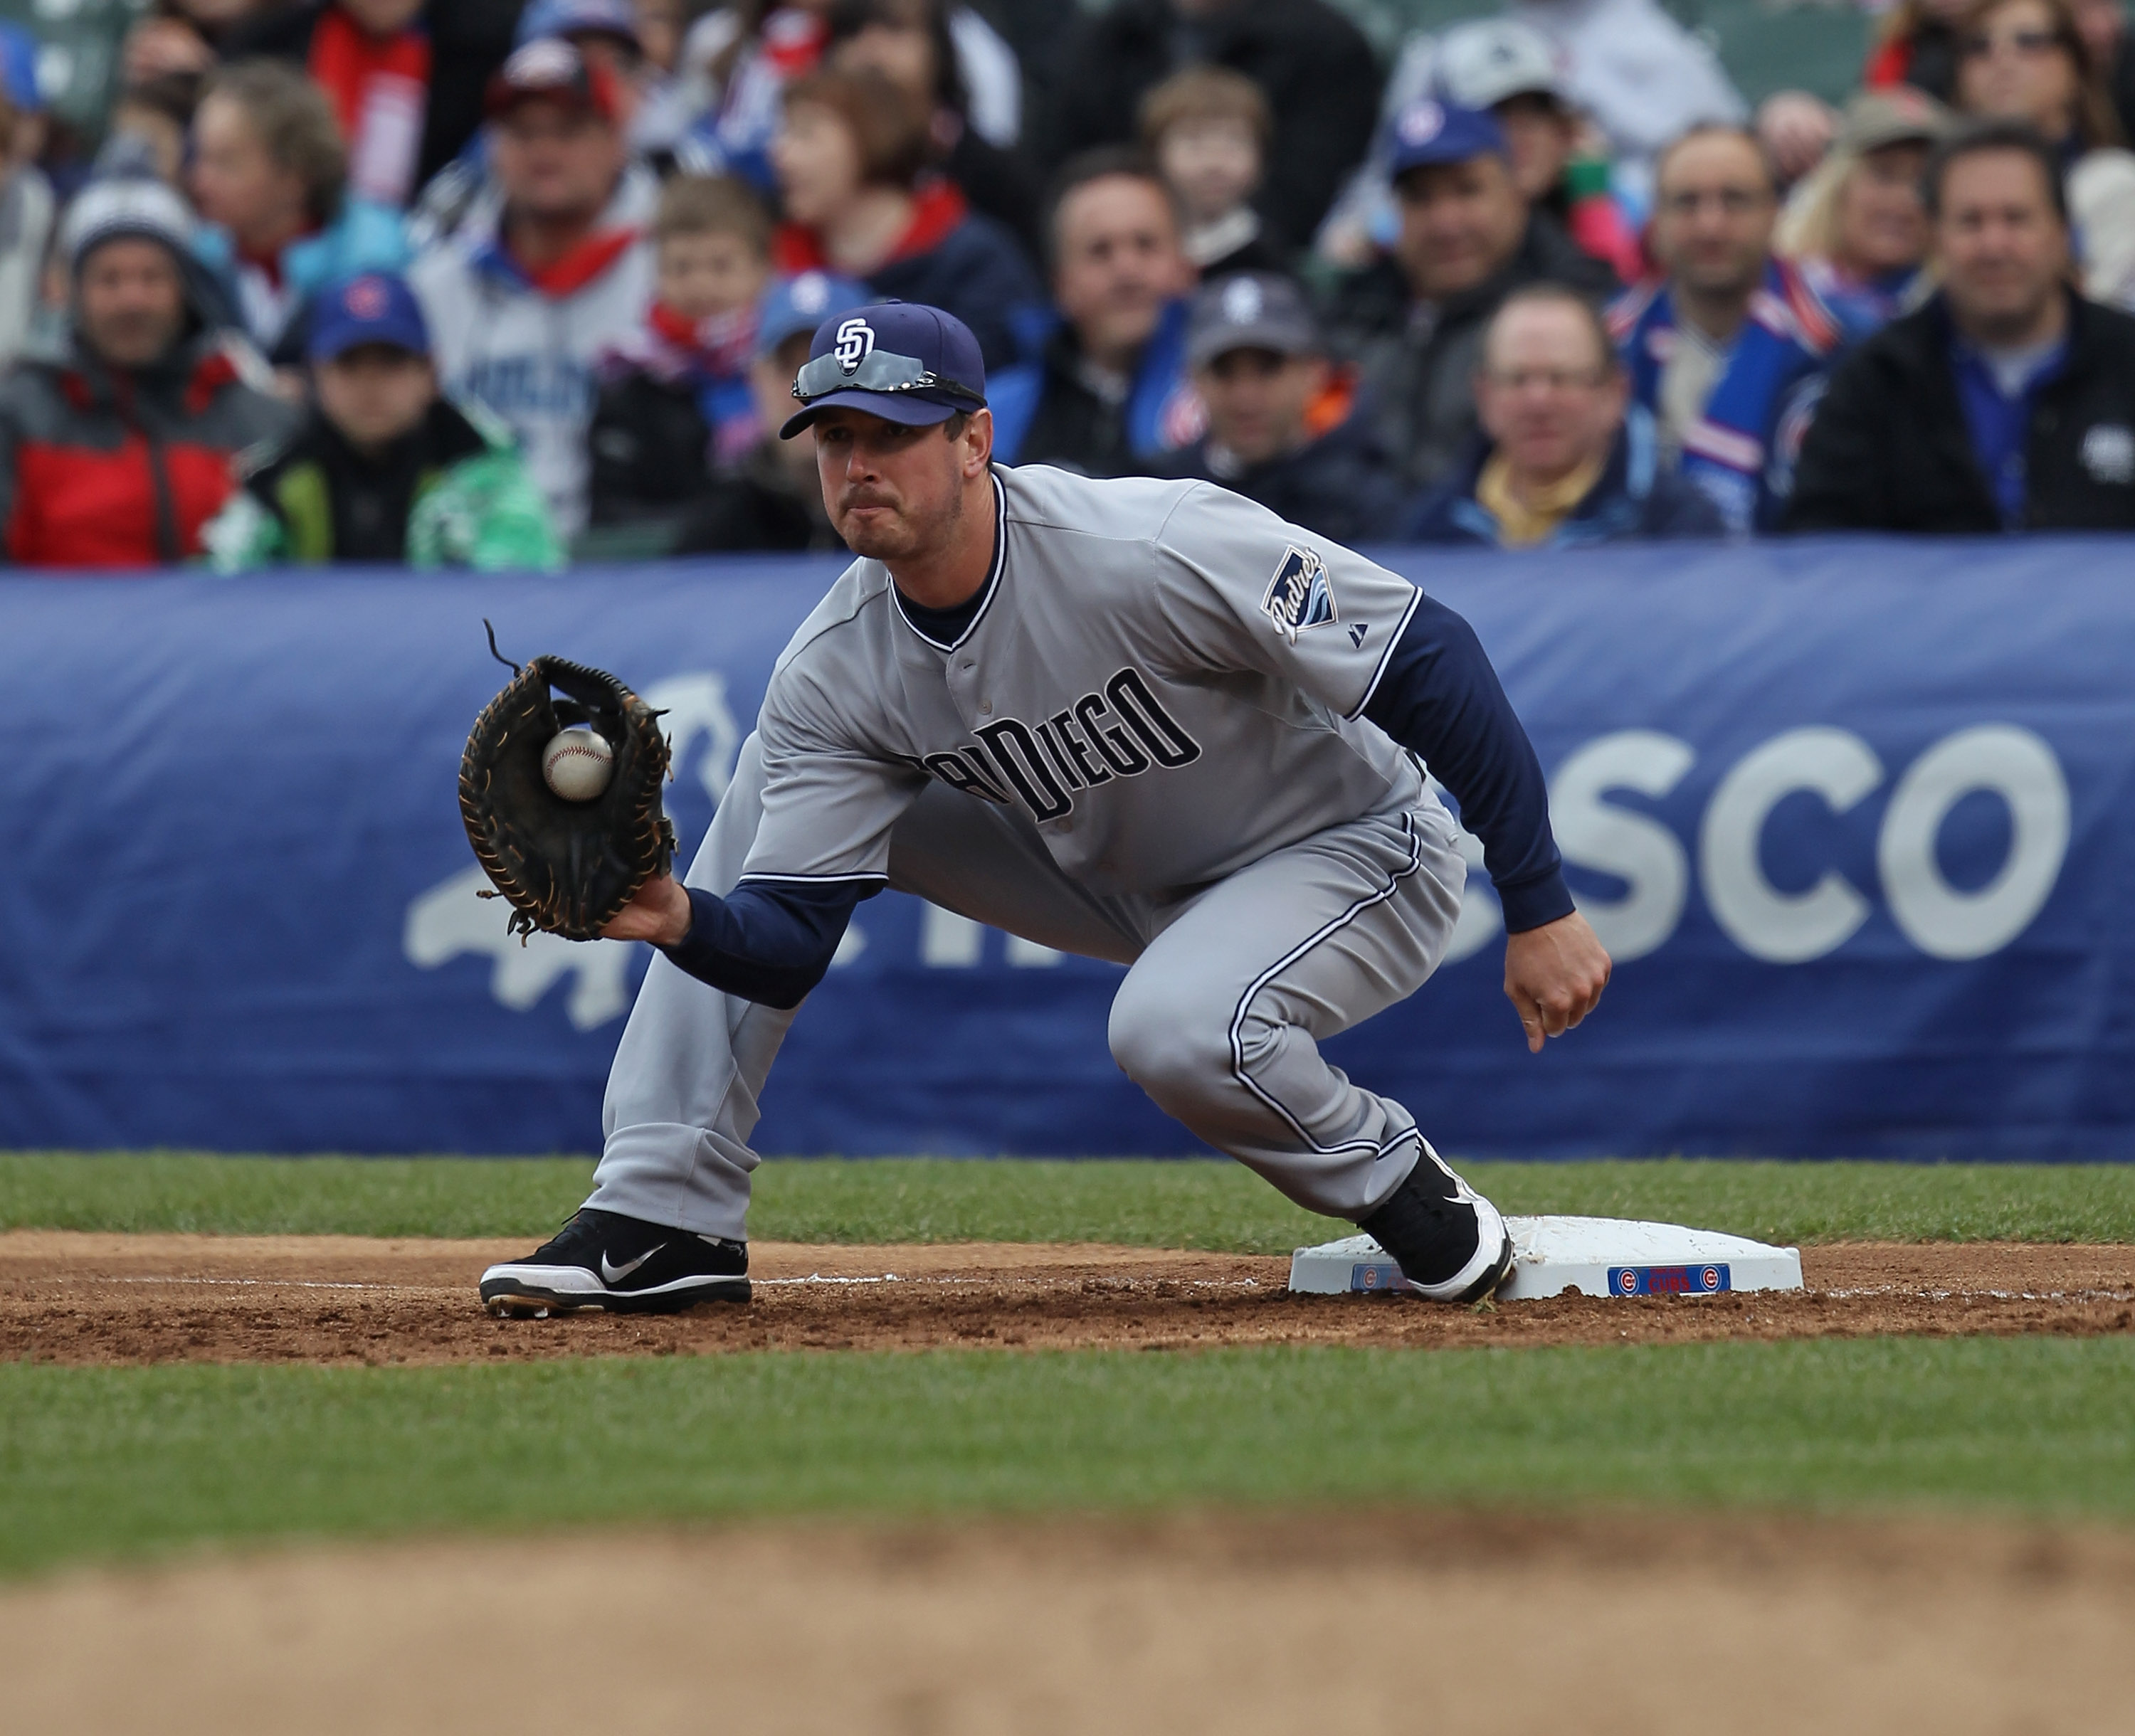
568 867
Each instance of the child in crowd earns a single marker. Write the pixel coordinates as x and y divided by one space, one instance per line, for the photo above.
674 402
384 469
772 499
1207 129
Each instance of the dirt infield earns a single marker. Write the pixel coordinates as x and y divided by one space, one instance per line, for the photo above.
1402 1621
93 1298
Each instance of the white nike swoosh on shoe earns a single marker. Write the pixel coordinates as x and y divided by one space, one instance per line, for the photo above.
616 1275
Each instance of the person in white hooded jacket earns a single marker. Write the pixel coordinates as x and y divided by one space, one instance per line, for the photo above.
520 303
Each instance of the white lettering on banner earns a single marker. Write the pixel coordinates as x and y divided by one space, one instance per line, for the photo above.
694 707
1637 850
1482 918
947 941
1784 928
2012 764
1943 921
452 918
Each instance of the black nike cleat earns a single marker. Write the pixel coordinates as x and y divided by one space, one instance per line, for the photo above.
602 1259
1451 1243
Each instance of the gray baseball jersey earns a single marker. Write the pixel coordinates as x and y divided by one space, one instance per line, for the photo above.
1165 676
1147 744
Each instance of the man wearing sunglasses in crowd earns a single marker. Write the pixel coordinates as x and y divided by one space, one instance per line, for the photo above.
1143 721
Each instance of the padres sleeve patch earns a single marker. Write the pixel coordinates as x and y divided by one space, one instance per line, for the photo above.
1298 597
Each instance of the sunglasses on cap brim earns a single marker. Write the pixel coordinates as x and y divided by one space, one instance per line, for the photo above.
878 371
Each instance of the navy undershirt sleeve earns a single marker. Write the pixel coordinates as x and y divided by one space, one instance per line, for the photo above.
1439 697
768 940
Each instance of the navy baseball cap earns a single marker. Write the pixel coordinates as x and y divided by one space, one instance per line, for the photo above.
900 361
803 302
1426 131
1253 309
375 308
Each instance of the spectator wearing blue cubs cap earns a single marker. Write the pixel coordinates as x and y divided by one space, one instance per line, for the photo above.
1414 321
384 469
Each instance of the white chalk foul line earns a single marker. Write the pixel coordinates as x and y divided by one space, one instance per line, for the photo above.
1943 1295
821 1278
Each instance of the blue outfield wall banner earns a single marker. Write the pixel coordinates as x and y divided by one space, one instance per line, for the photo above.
1853 816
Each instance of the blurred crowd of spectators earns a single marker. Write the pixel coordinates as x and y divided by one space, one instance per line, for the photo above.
488 282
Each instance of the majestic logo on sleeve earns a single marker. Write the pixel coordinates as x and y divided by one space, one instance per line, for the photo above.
1298 597
1122 730
855 341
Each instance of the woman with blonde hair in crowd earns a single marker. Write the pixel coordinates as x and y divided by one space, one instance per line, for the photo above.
1857 225
2026 60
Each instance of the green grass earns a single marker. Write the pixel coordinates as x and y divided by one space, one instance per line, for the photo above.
103 1463
1179 1204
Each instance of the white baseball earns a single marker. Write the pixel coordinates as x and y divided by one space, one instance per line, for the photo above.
578 763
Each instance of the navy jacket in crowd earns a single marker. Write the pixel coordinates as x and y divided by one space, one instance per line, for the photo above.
1340 485
1890 448
1635 498
952 259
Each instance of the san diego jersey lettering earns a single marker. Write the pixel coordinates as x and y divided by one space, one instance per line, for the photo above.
1121 731
1146 676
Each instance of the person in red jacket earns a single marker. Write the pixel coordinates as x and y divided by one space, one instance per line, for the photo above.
117 450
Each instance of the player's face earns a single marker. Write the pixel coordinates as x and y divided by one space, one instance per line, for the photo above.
1257 401
895 493
1713 214
1545 394
2003 250
1460 222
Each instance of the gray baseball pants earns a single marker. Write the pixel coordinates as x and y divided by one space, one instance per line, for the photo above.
1229 990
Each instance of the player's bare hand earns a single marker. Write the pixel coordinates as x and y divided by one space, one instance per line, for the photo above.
660 913
1553 976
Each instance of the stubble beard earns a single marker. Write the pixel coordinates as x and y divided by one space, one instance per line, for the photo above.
902 537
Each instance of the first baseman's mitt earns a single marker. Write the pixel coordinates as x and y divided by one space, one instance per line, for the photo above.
568 867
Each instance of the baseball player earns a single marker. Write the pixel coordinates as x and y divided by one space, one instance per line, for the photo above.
1142 721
